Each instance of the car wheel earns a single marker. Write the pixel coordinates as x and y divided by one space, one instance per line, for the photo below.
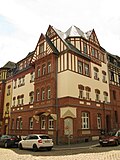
20 146
49 148
6 145
35 148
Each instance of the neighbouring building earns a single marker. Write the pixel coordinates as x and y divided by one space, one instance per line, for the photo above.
114 82
65 88
3 76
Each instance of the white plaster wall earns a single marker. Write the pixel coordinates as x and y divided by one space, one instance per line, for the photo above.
68 82
26 89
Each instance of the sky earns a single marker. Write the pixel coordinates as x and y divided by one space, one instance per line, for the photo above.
23 21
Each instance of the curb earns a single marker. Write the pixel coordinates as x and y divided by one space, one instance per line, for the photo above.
79 147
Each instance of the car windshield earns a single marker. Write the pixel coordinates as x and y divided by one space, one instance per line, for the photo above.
44 137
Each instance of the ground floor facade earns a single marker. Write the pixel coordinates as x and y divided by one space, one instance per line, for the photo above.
71 119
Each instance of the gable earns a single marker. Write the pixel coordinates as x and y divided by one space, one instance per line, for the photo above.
93 38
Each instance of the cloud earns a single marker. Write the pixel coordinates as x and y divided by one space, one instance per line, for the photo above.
22 22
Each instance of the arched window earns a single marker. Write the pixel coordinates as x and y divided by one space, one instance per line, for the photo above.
37 95
105 96
81 91
97 92
43 94
96 70
38 72
43 122
50 123
31 122
48 92
31 95
88 90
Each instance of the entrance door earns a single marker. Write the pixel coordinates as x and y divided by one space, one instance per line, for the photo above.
108 123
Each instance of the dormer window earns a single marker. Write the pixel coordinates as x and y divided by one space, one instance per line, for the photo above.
42 48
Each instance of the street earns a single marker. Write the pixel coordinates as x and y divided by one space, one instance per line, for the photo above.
92 153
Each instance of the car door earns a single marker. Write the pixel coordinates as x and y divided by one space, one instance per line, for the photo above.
3 139
25 142
32 140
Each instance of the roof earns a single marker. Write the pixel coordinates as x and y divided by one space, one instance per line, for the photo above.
9 65
73 31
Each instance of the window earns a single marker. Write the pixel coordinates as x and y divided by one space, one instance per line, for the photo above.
43 94
85 120
93 52
85 48
31 122
49 67
19 83
18 100
31 97
14 100
21 123
32 77
23 80
119 79
80 67
38 72
86 67
104 77
81 89
88 90
97 92
17 124
43 70
41 48
112 76
22 99
99 121
96 73
50 123
48 93
37 95
15 84
43 122
105 97
8 90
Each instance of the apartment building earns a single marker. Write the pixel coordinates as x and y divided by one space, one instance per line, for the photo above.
71 85
63 88
3 100
114 81
22 97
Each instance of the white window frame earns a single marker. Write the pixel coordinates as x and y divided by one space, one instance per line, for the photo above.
49 67
51 123
85 120
80 67
99 121
49 93
43 122
31 122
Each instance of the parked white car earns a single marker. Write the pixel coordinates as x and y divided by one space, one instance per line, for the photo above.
36 142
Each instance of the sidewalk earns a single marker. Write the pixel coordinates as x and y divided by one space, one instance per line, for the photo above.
89 144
